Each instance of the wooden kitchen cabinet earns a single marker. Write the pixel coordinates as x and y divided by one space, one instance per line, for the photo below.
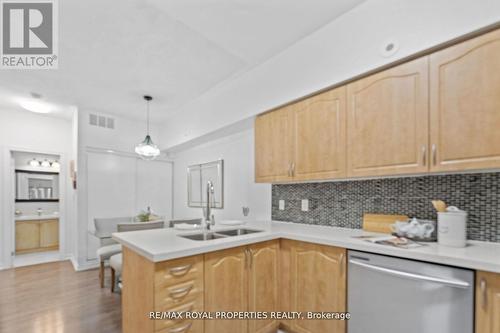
168 286
313 280
263 285
465 105
37 235
303 141
487 302
226 288
274 145
242 279
388 122
437 113
320 136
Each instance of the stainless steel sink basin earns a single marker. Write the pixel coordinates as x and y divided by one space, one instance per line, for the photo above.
204 236
219 234
238 232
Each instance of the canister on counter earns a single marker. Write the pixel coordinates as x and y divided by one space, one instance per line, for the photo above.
452 227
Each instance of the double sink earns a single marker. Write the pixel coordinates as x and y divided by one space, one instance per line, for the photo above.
220 234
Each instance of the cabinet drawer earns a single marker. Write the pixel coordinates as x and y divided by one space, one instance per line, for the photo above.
178 270
195 305
178 294
191 326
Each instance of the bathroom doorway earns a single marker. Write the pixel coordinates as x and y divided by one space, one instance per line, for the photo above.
36 195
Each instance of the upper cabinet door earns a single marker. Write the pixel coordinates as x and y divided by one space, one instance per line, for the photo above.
274 146
320 136
388 121
465 105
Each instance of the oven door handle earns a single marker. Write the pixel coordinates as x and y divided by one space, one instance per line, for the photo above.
412 276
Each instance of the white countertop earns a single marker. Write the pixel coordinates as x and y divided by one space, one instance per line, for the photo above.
37 217
165 244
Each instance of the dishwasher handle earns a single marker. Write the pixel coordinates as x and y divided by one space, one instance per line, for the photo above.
413 276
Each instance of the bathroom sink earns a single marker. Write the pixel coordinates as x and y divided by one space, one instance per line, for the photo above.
219 234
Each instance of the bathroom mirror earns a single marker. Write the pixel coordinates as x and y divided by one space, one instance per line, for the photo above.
198 176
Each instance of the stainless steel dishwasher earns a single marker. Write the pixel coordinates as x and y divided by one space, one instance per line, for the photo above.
387 295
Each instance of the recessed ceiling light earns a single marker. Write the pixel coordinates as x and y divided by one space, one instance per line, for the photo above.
35 104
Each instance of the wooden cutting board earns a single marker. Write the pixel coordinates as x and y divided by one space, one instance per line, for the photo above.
381 222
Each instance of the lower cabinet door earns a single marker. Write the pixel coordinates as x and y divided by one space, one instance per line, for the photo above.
27 236
226 289
487 302
263 285
317 284
49 233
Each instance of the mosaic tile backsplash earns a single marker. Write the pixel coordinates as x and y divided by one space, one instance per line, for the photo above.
343 203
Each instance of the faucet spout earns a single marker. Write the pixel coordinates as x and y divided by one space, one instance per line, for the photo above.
209 217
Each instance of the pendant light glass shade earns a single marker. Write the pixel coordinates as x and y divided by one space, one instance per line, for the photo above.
147 150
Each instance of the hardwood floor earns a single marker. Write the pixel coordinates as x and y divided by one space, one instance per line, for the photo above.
53 298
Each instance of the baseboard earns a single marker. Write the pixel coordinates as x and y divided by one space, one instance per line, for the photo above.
87 265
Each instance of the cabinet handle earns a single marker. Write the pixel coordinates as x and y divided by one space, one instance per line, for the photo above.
484 295
289 169
341 264
181 329
181 270
247 261
181 292
424 156
293 169
434 158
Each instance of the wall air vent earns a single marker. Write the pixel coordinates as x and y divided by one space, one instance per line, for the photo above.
101 121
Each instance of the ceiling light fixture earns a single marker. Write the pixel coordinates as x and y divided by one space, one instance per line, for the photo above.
147 150
35 104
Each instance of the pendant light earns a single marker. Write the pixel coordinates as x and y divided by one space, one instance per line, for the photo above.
147 150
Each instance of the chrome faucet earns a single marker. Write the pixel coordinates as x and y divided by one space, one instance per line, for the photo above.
209 217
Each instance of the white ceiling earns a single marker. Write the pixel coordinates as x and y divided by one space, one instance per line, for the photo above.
113 52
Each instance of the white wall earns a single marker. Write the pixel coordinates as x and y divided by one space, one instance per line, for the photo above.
240 190
347 47
121 141
26 131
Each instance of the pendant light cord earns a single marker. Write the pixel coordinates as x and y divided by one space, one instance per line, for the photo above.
147 116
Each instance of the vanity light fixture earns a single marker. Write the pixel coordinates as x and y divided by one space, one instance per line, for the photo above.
45 164
56 164
34 162
147 150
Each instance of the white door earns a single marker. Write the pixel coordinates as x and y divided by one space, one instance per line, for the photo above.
122 186
154 187
111 190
